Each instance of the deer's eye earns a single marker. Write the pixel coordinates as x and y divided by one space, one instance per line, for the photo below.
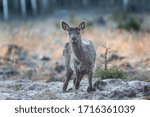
78 33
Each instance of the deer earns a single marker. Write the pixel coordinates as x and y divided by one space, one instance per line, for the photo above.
80 56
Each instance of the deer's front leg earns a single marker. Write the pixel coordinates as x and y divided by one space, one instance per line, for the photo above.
68 77
90 87
77 80
80 77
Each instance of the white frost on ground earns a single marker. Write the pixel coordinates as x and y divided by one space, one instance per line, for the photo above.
105 89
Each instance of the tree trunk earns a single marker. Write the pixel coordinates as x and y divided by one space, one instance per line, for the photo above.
34 6
23 8
5 9
125 4
16 6
44 5
85 2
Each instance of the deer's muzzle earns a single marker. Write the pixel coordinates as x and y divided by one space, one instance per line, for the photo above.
74 40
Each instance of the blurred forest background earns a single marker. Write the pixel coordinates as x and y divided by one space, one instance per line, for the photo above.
32 41
9 8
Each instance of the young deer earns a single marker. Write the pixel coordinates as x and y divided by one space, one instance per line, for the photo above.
79 56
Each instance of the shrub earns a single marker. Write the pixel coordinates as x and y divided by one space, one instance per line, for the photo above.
126 21
131 24
72 18
75 21
18 87
112 72
89 24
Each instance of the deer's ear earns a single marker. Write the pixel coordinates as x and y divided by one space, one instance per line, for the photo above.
82 25
65 26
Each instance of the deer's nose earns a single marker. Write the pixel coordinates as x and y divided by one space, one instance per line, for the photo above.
74 38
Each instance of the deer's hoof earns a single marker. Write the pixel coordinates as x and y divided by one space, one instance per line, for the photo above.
90 89
64 89
74 81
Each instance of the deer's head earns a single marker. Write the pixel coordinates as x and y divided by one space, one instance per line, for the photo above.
74 32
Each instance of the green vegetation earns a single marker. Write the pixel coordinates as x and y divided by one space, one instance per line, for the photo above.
75 21
89 24
112 72
72 19
18 87
126 21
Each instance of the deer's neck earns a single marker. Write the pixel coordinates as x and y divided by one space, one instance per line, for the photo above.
78 50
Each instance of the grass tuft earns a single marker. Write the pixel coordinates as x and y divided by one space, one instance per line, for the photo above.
113 72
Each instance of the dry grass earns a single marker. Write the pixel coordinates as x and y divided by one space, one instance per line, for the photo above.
43 38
